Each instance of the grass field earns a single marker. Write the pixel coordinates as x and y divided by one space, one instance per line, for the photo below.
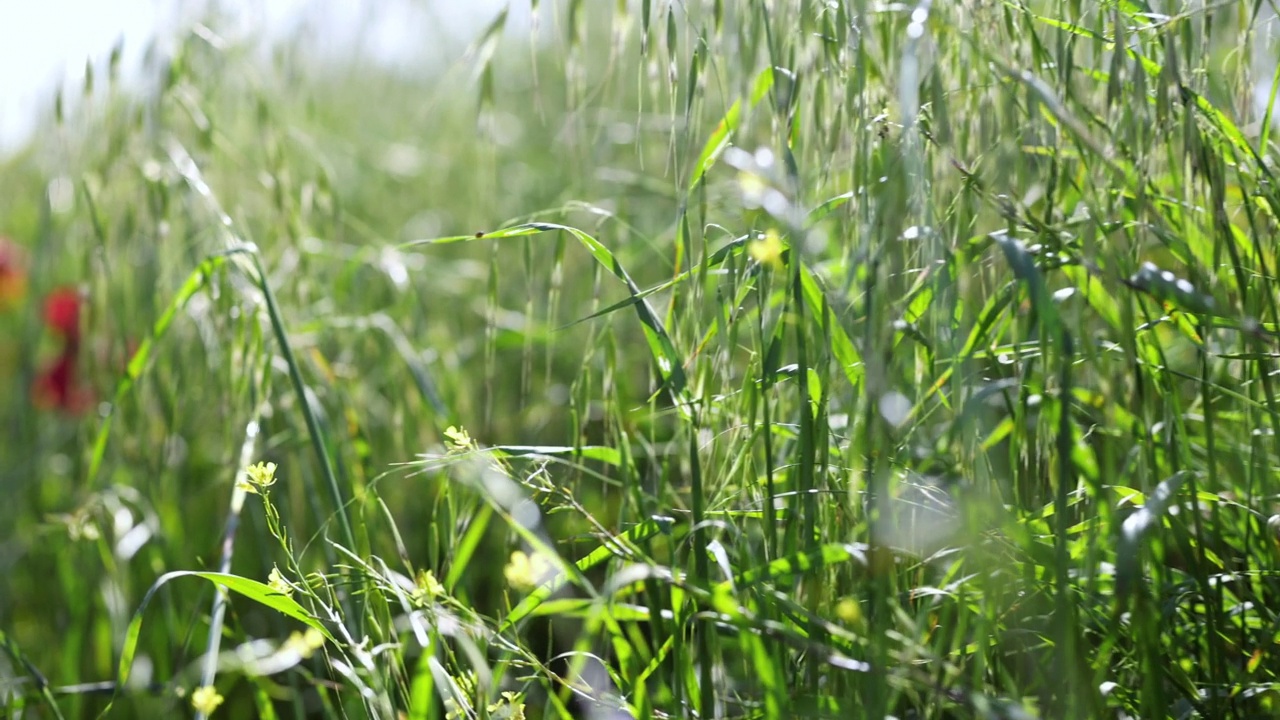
755 359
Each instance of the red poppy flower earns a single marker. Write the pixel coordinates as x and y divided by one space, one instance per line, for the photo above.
58 387
13 276
62 313
58 384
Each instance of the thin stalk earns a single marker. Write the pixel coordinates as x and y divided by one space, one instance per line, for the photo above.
313 425
701 571
209 669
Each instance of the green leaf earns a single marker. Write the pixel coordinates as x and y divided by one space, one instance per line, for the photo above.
801 563
661 347
138 363
260 593
606 551
723 133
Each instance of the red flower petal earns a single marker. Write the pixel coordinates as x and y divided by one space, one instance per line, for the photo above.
62 312
57 387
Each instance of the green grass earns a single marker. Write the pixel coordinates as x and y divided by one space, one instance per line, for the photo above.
720 359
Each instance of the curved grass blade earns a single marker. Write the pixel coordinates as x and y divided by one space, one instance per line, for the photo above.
1138 527
138 363
260 593
37 678
606 551
801 563
467 546
607 455
252 266
714 260
842 346
661 347
723 133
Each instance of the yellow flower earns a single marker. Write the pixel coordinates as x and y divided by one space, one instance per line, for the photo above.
753 188
464 688
305 644
457 440
768 249
509 707
278 583
258 477
524 572
313 638
206 699
849 610
427 586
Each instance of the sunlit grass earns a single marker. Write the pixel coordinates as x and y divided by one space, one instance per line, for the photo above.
707 360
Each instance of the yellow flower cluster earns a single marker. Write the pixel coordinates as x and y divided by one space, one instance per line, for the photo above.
206 699
305 643
524 572
428 586
258 478
457 440
768 249
278 583
509 707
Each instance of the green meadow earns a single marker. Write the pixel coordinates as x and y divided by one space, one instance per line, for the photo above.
654 360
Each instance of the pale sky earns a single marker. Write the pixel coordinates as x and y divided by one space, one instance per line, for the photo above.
46 42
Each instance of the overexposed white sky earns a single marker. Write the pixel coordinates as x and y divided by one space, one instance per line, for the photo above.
41 41
44 43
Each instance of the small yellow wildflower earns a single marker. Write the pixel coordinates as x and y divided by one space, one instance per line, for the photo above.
305 644
849 610
524 572
753 187
509 707
313 638
278 583
427 586
464 687
457 440
258 477
206 699
768 249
